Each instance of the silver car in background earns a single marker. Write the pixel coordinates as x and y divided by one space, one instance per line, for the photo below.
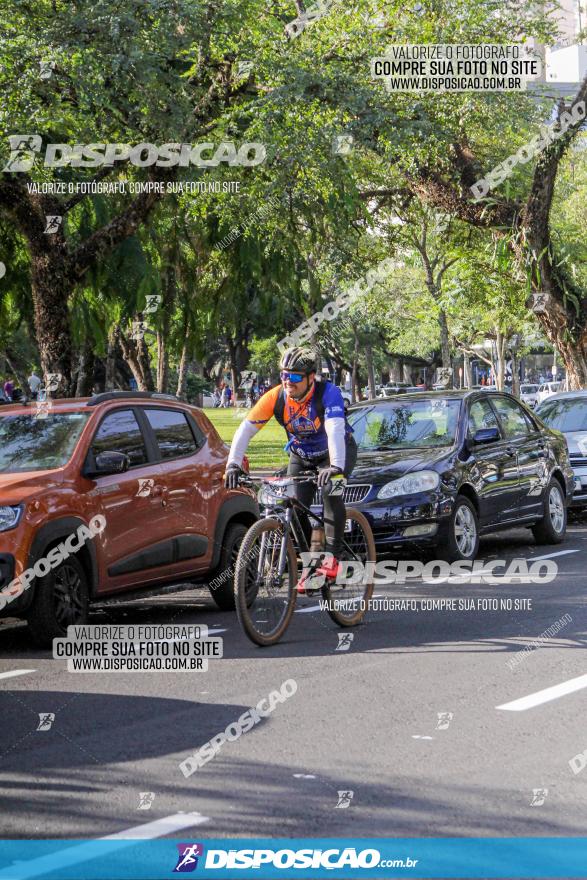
529 395
567 412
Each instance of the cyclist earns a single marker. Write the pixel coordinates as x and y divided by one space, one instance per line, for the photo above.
319 436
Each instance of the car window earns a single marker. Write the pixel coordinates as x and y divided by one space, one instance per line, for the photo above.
566 414
513 419
30 443
120 432
172 432
404 423
481 415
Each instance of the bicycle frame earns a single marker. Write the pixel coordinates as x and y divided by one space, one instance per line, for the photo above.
287 513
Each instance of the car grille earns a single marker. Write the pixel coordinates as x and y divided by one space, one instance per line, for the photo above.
352 494
578 460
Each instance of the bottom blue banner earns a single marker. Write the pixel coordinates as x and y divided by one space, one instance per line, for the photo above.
227 858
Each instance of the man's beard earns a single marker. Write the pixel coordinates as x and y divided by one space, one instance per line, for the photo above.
299 396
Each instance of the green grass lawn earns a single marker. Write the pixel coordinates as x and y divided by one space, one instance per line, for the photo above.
265 451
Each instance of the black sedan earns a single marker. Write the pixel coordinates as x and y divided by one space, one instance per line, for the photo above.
438 469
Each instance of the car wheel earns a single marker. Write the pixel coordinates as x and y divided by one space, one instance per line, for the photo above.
223 590
61 599
551 529
463 531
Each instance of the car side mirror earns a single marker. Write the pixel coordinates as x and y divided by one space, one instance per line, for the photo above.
107 463
486 435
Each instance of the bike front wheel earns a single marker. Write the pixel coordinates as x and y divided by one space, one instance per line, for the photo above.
348 601
265 582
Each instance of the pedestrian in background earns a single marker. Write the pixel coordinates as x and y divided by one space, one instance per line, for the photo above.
8 387
34 384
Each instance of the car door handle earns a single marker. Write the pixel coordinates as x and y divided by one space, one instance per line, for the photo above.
157 491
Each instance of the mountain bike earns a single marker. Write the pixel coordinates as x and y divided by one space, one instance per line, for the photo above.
268 566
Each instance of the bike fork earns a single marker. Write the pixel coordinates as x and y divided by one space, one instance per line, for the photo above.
286 521
283 550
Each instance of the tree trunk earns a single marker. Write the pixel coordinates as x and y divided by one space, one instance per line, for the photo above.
370 369
396 370
51 288
22 380
163 315
162 362
445 343
145 365
110 381
559 303
515 373
85 374
233 366
356 379
500 352
136 356
182 378
467 380
55 269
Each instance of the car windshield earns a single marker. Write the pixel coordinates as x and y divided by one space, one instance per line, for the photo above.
565 415
406 424
528 389
29 443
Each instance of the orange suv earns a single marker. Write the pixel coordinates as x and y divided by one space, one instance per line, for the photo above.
105 495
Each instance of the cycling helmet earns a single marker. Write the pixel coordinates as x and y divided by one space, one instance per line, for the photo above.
300 360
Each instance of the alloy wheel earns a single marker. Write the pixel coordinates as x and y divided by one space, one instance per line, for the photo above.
556 509
465 531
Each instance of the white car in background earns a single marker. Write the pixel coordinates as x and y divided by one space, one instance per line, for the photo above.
529 395
547 389
346 396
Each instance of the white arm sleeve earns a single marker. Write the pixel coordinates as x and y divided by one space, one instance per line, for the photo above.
240 441
335 429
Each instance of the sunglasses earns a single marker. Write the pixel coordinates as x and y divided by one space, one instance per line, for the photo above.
293 377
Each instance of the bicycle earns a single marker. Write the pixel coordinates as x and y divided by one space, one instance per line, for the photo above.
268 563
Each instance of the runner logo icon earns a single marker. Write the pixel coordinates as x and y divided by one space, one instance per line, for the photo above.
188 857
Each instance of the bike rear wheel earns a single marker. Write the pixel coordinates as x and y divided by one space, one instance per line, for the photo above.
347 604
264 598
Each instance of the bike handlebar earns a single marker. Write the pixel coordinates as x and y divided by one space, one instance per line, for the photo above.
302 477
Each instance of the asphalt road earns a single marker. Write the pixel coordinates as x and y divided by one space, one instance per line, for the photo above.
363 720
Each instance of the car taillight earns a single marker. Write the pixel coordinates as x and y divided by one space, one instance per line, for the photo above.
245 465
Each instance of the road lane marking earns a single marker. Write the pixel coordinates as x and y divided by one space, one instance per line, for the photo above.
14 672
159 827
546 695
211 632
552 555
76 854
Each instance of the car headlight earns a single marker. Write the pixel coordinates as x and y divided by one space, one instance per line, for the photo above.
9 517
421 481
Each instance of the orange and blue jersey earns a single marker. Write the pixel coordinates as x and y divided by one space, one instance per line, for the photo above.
305 427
